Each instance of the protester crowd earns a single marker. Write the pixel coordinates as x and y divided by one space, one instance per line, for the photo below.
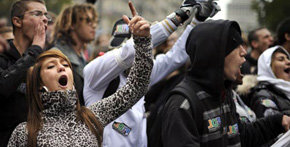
144 84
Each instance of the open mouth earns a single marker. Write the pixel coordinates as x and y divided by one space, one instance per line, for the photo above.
287 70
63 80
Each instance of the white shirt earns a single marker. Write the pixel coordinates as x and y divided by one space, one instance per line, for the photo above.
101 71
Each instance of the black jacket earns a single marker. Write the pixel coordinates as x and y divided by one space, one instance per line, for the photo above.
214 121
13 68
267 100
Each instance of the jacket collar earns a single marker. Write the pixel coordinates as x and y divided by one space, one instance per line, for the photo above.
13 52
77 61
68 51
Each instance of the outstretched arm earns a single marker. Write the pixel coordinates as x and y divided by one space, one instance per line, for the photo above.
19 137
261 131
177 56
101 71
110 108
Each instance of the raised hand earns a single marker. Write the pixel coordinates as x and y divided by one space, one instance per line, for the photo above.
207 9
138 25
187 6
39 34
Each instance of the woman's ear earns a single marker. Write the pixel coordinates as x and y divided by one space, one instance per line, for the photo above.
17 22
42 87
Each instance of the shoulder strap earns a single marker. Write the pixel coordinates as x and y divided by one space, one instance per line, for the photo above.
189 91
154 133
112 88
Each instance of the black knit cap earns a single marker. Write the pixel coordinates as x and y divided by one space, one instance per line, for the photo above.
234 40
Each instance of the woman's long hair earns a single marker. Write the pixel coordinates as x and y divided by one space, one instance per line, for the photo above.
35 107
71 15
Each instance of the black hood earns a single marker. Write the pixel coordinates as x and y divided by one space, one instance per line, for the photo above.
207 47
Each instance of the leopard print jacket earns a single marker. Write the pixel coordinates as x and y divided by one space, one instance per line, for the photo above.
60 124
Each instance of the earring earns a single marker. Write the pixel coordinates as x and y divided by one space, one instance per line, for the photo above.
44 89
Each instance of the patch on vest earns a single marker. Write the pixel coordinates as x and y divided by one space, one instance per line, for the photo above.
269 103
121 128
233 129
214 124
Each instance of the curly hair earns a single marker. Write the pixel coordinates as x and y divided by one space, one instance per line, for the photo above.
71 15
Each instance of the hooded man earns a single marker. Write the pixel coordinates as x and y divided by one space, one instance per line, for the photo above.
202 112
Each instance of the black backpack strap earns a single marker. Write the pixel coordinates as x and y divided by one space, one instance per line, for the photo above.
189 91
112 88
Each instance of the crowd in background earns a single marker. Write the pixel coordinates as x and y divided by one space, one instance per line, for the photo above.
145 84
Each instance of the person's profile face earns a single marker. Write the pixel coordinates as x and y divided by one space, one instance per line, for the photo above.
56 74
265 39
280 66
233 63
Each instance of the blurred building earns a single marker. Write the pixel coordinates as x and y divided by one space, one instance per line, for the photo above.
152 10
79 1
240 10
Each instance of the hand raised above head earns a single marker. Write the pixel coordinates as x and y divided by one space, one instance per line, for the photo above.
207 9
138 25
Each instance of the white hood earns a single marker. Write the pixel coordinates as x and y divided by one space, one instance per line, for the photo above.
265 72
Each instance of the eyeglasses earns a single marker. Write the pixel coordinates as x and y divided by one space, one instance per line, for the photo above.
39 14
89 20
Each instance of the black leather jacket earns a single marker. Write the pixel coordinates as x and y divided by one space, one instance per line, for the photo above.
266 100
13 107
